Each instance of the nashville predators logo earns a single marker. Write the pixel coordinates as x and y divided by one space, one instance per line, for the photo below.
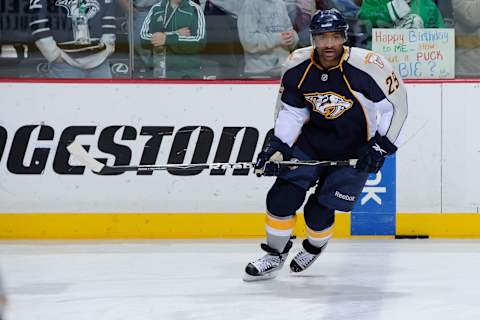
92 7
330 104
372 58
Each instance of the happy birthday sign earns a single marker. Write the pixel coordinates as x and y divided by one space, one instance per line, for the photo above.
417 53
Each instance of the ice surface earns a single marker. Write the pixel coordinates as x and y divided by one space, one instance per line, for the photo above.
202 279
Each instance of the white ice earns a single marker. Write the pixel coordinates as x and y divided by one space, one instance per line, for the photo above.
199 279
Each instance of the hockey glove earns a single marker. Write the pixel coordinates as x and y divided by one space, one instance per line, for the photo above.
274 150
373 155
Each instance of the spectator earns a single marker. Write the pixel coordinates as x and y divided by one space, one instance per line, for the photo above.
401 14
349 8
300 13
143 60
175 29
357 31
81 47
445 7
467 37
14 40
327 4
223 56
233 6
322 4
407 14
267 36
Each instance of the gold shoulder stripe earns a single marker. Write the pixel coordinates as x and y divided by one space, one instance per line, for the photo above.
304 75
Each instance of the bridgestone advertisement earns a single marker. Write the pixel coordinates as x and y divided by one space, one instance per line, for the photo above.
157 123
125 124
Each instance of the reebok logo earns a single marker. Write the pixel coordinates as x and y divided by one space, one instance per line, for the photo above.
35 4
377 148
344 196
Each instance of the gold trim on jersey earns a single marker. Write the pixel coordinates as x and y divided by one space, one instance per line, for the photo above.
304 75
345 55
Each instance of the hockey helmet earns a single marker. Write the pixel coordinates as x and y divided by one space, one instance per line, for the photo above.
328 21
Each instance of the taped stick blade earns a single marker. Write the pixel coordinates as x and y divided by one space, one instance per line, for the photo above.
79 152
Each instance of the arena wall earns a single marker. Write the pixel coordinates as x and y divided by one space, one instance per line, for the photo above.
46 194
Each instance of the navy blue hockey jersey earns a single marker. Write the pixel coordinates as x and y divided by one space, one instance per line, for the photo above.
346 104
53 18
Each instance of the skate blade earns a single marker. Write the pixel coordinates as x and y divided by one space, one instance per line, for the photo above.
268 276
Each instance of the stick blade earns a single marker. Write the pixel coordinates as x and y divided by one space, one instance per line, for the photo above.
79 152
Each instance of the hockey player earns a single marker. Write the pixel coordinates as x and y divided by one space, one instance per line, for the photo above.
75 36
335 103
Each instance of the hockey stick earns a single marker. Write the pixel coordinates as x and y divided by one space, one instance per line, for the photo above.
79 152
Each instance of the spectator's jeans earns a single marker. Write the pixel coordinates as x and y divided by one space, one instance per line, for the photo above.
63 70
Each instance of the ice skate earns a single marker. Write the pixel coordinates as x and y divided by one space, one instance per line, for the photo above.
305 257
268 266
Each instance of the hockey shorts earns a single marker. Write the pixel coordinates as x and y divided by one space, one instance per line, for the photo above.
336 187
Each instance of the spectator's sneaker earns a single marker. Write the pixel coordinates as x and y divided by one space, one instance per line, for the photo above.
305 257
268 266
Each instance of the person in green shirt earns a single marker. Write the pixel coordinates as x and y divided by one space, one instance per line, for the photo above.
406 14
175 30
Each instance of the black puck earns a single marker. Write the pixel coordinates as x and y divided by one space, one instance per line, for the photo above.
411 236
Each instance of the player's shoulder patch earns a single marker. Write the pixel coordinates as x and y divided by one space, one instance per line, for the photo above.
368 60
297 57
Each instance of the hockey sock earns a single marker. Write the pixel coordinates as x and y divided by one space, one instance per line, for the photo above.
318 239
279 230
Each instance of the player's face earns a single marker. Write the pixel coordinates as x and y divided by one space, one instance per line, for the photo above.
329 46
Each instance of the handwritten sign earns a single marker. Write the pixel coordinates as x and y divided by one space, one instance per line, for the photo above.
417 53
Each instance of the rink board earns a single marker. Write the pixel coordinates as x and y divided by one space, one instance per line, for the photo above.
214 225
46 194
